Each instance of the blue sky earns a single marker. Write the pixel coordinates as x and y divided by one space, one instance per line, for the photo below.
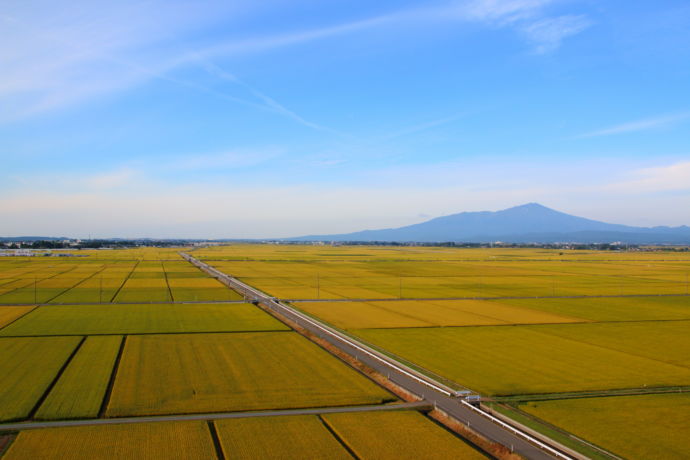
278 118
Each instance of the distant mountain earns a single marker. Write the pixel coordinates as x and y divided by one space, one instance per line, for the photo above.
12 239
529 223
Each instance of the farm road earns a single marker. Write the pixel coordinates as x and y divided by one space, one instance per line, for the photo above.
418 406
412 381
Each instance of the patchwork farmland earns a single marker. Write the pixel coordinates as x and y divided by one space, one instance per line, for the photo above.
589 348
123 353
533 331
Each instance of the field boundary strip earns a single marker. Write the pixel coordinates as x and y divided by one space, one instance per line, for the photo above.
216 440
591 394
36 281
420 406
167 283
54 382
157 302
398 299
77 284
129 275
338 438
111 380
19 317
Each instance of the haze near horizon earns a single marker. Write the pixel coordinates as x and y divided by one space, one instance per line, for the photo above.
240 119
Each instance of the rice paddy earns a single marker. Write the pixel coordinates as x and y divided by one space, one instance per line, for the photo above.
10 314
505 360
177 374
635 427
299 436
139 319
518 324
27 368
426 313
168 440
80 390
397 435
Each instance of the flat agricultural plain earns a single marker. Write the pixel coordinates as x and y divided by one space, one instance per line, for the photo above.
554 335
517 324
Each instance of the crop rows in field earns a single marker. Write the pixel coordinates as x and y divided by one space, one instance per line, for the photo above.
369 435
170 440
141 319
499 360
376 279
262 252
28 366
642 426
12 313
80 390
87 280
406 313
163 374
173 374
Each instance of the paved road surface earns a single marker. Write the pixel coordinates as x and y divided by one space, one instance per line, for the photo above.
414 382
420 406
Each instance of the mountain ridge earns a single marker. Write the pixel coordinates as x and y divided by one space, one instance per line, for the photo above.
527 223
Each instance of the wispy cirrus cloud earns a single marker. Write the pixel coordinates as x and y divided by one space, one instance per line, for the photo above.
548 33
53 58
673 177
638 125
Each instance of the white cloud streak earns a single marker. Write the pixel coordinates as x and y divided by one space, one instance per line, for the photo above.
668 178
637 126
549 33
53 59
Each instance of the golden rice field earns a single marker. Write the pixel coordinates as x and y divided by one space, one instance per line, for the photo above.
426 313
381 279
297 436
397 435
499 321
645 427
10 314
241 251
140 319
86 280
80 390
370 435
27 368
611 309
189 440
169 374
504 360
